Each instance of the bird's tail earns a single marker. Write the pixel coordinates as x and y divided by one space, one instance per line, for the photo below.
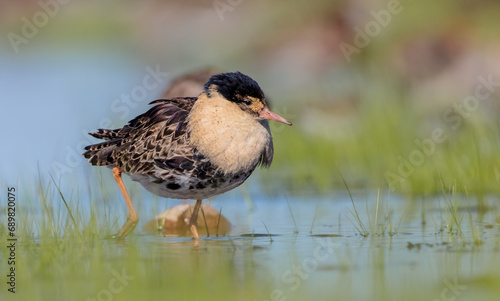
102 153
107 134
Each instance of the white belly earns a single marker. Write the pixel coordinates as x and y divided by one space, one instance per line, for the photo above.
188 189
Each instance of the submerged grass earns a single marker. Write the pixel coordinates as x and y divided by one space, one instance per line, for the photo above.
296 229
475 232
453 219
376 227
360 227
314 219
268 233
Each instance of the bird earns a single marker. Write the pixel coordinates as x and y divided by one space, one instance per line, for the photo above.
191 147
175 221
190 84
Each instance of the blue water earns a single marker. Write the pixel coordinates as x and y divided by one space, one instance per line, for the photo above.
50 100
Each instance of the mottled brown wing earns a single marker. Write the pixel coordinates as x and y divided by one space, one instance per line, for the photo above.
158 133
161 132
156 144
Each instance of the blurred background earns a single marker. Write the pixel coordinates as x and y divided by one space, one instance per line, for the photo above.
364 82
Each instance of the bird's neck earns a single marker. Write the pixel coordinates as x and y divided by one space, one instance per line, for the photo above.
231 139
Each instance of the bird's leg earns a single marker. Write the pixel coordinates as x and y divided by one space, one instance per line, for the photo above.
194 219
132 218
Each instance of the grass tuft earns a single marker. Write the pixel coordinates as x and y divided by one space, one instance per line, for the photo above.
268 233
314 219
360 227
296 230
205 221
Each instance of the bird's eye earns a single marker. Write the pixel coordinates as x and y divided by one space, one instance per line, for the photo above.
247 102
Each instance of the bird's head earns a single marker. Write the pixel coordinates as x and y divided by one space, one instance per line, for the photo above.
243 91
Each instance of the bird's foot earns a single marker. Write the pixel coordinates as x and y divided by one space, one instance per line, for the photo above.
193 221
127 227
194 231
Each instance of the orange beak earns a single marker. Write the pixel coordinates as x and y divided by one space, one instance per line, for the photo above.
267 114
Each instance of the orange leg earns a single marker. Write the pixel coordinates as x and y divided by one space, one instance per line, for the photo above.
132 218
194 219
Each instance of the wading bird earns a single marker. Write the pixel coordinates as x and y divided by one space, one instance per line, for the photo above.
191 147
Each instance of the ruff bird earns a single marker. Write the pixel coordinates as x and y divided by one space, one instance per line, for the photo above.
191 147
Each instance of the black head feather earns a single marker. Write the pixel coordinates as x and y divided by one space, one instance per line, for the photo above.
234 86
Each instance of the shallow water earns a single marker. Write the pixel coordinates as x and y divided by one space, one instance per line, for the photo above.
323 257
